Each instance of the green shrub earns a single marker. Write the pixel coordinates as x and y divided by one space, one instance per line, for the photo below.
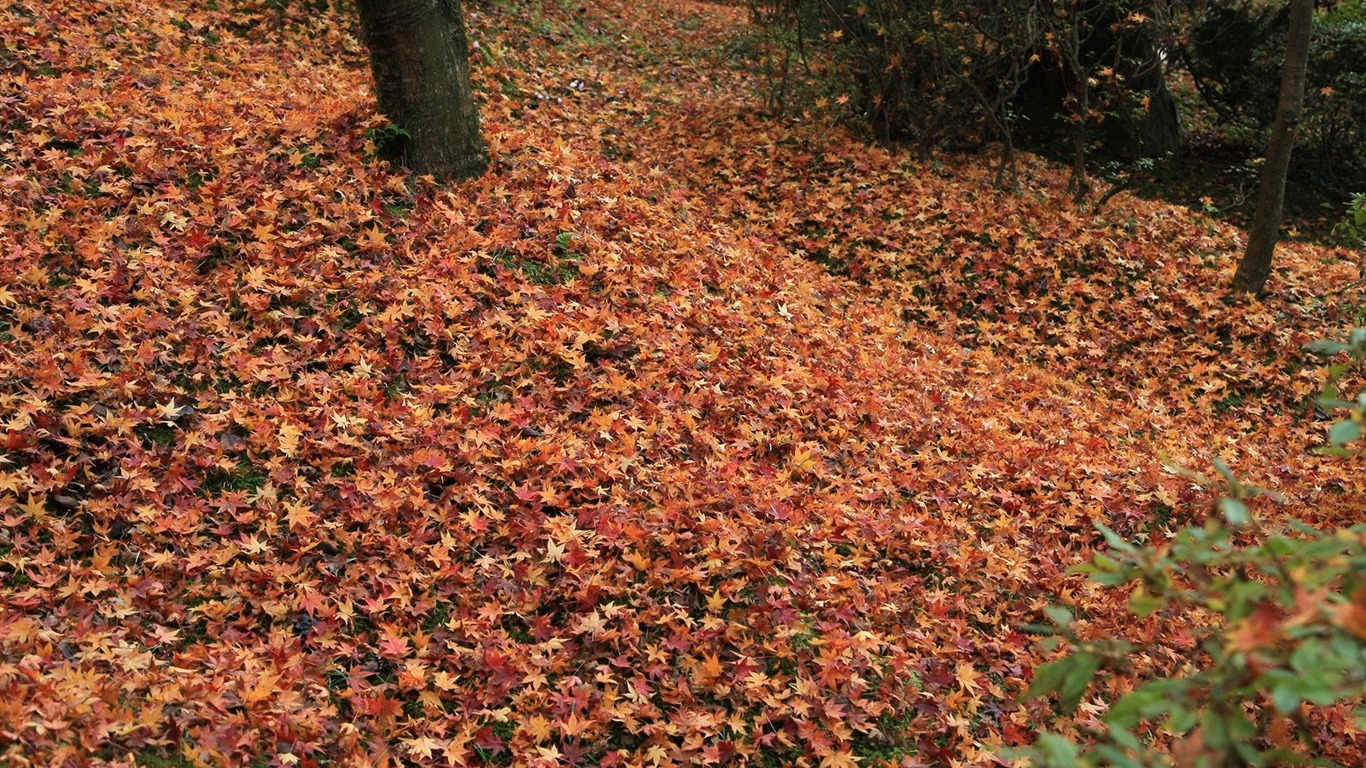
1335 107
912 69
1346 12
963 73
1288 629
1353 228
1234 52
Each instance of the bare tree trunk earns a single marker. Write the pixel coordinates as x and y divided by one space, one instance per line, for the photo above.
1255 266
1078 184
420 59
1072 57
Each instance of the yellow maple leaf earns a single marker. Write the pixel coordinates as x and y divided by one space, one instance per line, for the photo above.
422 745
839 760
967 677
288 438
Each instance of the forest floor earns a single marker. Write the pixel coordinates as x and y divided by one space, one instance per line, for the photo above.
685 435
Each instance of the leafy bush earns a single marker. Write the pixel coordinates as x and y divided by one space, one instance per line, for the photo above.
1335 107
915 69
1234 53
1349 429
962 73
1353 227
1346 12
1286 647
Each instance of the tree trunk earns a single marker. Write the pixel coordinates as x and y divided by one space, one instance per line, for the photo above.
1077 184
420 59
1255 266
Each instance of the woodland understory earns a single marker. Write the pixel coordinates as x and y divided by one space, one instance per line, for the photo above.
685 435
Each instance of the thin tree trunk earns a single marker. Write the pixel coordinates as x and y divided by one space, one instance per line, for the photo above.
420 59
1077 184
1255 267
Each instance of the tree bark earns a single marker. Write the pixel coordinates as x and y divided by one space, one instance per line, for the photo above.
420 59
1255 267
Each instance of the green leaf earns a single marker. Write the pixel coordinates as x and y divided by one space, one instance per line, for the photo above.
1286 699
1125 739
1048 678
1136 706
1279 546
1148 701
1251 756
1344 432
1110 579
1058 615
1143 605
1313 687
1326 347
1074 685
1215 729
1240 727
1057 751
1117 757
1331 401
1235 511
1335 372
1299 526
1308 656
1181 719
1115 540
1106 563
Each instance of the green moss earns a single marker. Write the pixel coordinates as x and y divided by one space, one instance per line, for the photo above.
557 272
164 761
156 433
891 743
246 477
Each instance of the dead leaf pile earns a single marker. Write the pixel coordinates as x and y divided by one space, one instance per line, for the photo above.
683 436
